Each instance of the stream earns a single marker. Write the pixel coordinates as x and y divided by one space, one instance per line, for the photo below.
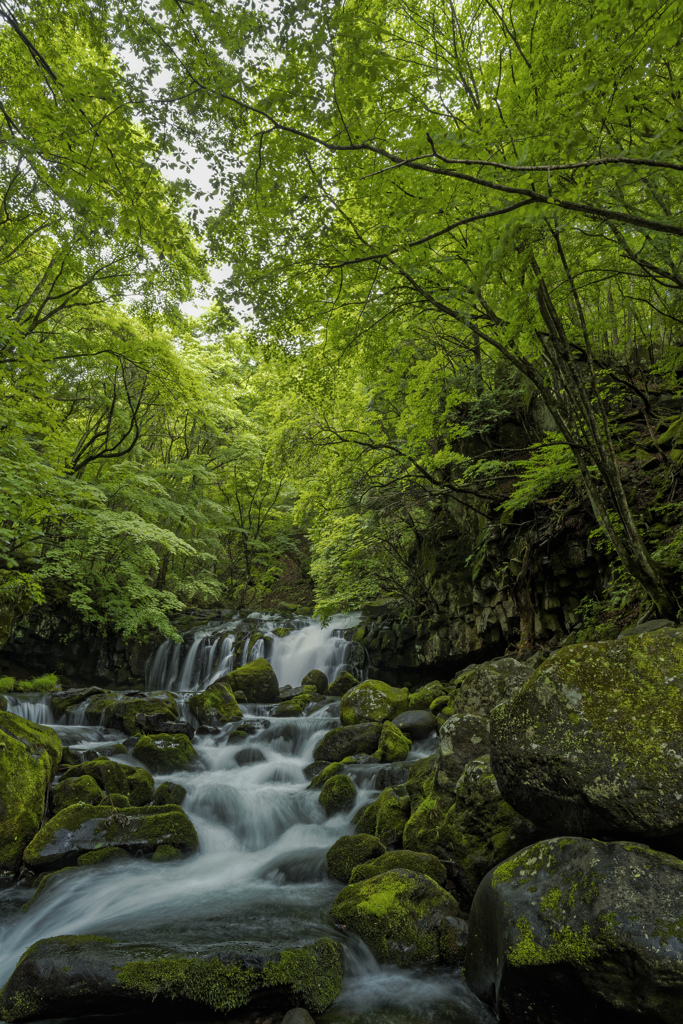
259 879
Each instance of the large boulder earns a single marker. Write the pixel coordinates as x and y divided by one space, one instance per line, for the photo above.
79 975
29 756
419 725
480 830
372 701
113 777
350 851
256 680
342 684
480 687
132 712
573 930
347 741
422 863
165 753
462 738
216 705
593 743
81 828
337 794
316 679
399 914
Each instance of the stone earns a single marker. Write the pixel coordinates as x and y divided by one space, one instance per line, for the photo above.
297 1016
256 680
385 817
462 738
316 679
420 781
481 687
80 975
593 743
342 684
161 723
82 790
350 851
329 770
372 701
165 753
121 710
480 830
29 757
338 794
421 699
216 705
169 793
422 863
81 828
393 744
419 725
348 740
646 627
249 755
113 777
398 914
572 929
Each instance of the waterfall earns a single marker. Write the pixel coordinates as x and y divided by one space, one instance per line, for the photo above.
34 709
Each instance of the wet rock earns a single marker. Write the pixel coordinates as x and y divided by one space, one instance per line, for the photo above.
338 794
480 830
350 851
216 705
29 756
63 703
420 700
453 935
256 680
398 914
313 770
76 791
372 701
288 709
113 777
646 627
249 755
419 725
348 740
593 743
422 863
573 929
393 774
317 679
81 828
393 744
342 684
169 793
165 753
297 1016
327 772
159 723
385 817
69 757
481 687
462 738
120 710
75 976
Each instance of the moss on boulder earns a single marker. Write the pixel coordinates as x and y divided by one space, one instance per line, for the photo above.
593 743
81 829
347 741
462 738
256 680
422 699
421 832
372 701
29 757
101 856
338 794
420 782
393 744
386 817
328 772
169 793
317 679
82 790
165 753
216 705
349 852
422 863
398 914
113 777
573 929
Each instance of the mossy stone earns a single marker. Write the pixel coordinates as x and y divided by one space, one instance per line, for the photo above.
347 741
83 790
420 782
113 777
327 772
166 852
422 699
165 753
317 679
256 680
169 793
342 684
69 757
462 738
422 863
386 817
372 701
393 744
398 914
338 794
350 851
102 856
115 800
122 711
216 705
421 832
29 757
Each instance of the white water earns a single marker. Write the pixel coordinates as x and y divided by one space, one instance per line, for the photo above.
259 881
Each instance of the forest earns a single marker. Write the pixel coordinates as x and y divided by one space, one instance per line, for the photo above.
273 275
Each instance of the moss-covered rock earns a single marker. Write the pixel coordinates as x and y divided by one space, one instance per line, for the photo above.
420 781
478 689
81 829
372 701
166 852
164 753
101 856
338 794
216 705
347 741
256 680
593 743
132 713
317 679
393 744
328 771
462 738
113 777
421 831
421 699
169 793
72 976
480 830
29 756
573 929
422 863
398 914
82 790
63 703
350 851
342 684
115 800
386 817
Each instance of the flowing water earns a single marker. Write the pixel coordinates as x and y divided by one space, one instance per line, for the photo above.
259 881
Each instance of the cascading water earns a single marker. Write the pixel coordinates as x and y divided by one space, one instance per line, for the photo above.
259 880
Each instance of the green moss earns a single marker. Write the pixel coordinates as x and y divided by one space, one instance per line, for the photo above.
394 745
256 680
330 770
101 856
338 794
372 701
422 863
113 777
567 946
216 705
164 752
350 851
75 791
48 683
423 698
169 793
341 684
166 852
420 781
390 813
115 800
421 832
